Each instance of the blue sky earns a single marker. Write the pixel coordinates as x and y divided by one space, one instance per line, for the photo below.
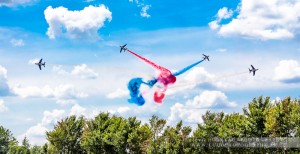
85 74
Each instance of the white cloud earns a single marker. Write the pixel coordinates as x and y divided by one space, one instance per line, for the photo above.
222 50
144 7
81 71
287 71
276 19
11 3
193 109
37 133
224 13
17 42
33 61
180 112
211 99
50 118
3 108
64 94
84 72
76 24
78 110
118 93
4 88
144 11
192 78
123 109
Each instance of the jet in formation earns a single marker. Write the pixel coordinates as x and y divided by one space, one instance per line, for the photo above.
40 64
205 57
123 48
252 70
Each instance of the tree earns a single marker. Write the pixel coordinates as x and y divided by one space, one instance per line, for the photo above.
36 150
6 138
234 126
176 139
279 119
256 115
105 134
65 137
138 136
156 128
25 143
206 131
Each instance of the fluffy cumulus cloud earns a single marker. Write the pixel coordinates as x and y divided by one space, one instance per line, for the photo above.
84 72
36 133
4 87
76 24
118 93
78 110
2 106
11 3
63 94
198 76
274 19
17 42
192 110
81 71
223 13
288 71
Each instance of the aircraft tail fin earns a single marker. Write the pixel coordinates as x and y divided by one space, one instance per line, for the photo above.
44 64
249 70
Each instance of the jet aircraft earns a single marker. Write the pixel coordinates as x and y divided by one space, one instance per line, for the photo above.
252 70
123 48
205 57
40 64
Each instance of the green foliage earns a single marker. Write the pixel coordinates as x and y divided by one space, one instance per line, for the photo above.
234 125
36 150
25 143
281 120
106 134
6 138
65 138
256 115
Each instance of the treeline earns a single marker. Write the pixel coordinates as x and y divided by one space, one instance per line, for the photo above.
114 134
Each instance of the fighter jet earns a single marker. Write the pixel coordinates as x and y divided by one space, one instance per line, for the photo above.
123 48
205 57
252 70
40 64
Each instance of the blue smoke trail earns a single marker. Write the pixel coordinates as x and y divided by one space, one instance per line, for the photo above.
134 88
187 68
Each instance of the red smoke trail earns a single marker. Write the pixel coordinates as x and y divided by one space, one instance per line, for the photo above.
165 77
149 62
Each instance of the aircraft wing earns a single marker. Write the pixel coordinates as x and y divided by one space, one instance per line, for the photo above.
253 73
252 67
40 67
41 60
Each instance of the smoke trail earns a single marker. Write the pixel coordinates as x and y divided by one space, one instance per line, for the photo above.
187 68
149 62
134 88
165 77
